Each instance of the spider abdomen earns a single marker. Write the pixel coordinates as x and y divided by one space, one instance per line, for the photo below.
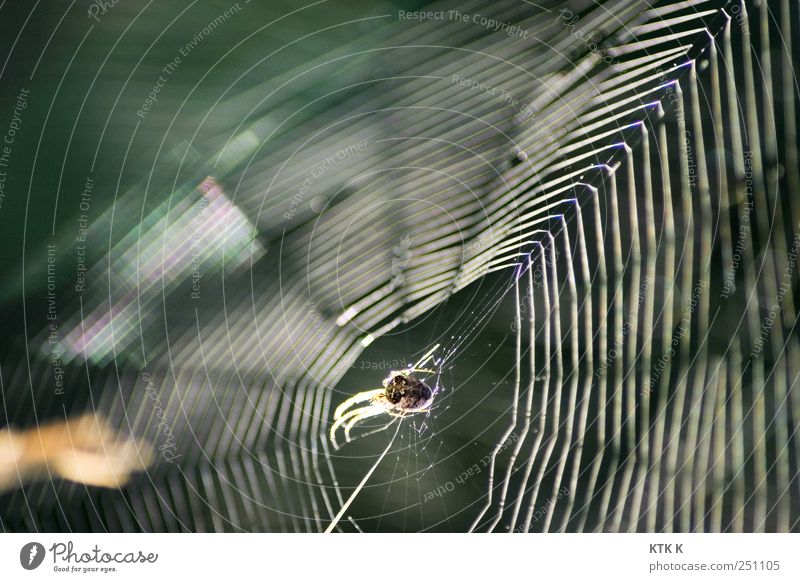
407 392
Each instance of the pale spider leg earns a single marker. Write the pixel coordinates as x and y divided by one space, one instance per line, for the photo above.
360 486
355 399
426 370
377 430
409 411
424 408
405 372
427 356
339 422
353 416
363 414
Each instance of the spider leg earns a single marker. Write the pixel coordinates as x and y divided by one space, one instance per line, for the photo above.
402 413
394 373
352 417
425 370
365 413
375 431
355 399
343 418
424 408
426 357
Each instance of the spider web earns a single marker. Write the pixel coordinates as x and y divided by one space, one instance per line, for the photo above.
592 219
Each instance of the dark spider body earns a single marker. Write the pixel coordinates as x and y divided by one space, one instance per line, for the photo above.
407 392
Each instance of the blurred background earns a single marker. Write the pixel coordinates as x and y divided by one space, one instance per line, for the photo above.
219 220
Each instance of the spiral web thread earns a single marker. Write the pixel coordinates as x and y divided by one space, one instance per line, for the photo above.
616 210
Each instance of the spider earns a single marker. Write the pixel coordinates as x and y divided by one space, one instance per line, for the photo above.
403 394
